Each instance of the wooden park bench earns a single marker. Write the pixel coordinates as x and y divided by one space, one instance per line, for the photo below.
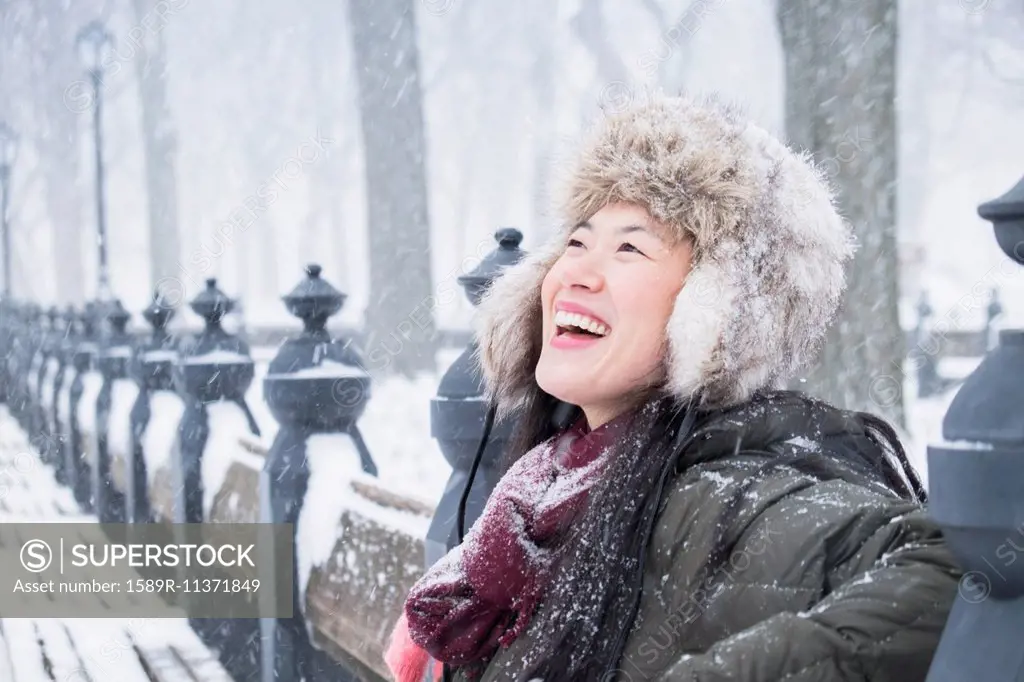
101 649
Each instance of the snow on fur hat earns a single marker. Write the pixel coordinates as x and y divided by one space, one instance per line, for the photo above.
768 251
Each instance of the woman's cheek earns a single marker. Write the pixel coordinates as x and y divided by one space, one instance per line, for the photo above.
647 360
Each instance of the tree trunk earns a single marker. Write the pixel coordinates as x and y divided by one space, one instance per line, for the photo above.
400 317
592 30
327 230
919 65
160 149
63 94
542 75
258 260
670 58
840 91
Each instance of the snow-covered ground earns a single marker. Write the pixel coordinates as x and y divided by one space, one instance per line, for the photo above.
72 649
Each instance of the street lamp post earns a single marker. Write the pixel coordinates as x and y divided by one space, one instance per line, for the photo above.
93 41
8 152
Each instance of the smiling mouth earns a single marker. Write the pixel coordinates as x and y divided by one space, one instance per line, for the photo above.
575 325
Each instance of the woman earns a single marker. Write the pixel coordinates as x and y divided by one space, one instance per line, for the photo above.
685 519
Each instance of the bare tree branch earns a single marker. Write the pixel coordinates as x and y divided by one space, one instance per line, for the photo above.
592 31
657 11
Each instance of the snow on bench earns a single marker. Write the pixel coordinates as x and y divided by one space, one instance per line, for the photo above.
226 422
28 489
237 498
178 656
354 598
104 650
359 546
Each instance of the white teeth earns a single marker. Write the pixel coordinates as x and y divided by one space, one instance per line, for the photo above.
566 319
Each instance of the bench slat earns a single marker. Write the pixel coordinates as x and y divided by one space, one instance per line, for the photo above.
27 659
354 599
6 670
163 665
59 650
179 655
104 646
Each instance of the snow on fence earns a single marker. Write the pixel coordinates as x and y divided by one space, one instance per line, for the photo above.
159 441
119 431
64 401
85 416
227 423
359 544
33 376
47 392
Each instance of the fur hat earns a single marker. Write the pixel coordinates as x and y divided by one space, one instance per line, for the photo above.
768 251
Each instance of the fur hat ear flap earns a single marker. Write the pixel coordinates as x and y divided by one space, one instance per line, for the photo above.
696 330
508 328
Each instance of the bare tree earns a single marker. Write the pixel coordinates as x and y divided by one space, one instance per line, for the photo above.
61 97
267 137
840 59
999 41
946 51
159 141
327 52
592 30
400 317
920 53
670 57
542 75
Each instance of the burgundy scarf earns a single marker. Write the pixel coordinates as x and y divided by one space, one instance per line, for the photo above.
482 594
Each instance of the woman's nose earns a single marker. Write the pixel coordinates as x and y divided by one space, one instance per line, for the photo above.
583 271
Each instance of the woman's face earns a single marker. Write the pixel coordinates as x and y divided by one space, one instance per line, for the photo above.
618 278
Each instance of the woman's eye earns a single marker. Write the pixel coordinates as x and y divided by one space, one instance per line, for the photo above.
574 242
626 246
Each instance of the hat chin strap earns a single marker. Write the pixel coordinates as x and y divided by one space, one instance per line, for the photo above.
488 425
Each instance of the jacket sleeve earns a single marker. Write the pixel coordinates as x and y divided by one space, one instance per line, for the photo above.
889 595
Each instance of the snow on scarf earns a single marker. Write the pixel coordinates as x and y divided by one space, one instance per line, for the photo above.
482 594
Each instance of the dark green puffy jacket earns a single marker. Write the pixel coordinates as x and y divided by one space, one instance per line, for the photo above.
836 580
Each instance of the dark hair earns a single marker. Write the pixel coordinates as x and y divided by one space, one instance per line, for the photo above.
580 628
